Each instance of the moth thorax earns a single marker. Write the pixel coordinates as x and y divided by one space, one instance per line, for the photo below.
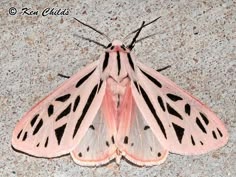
118 89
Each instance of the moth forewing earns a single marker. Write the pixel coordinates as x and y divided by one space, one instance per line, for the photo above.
183 124
50 128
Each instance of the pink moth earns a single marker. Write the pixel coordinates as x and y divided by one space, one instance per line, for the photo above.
117 107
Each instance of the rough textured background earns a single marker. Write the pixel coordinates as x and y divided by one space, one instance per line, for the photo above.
197 38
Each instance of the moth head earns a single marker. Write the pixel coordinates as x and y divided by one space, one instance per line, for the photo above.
116 46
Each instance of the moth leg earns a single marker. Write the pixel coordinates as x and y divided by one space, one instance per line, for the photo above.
62 75
162 69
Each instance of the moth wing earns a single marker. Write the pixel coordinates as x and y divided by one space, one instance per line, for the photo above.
98 147
135 138
180 122
56 124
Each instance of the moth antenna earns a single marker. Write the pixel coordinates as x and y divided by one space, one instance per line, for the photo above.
109 40
143 27
131 45
91 40
146 37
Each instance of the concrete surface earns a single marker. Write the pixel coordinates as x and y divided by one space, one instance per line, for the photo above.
197 38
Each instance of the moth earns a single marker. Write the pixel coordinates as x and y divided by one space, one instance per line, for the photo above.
118 107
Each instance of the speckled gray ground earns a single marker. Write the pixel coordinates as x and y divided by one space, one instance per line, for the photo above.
198 39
